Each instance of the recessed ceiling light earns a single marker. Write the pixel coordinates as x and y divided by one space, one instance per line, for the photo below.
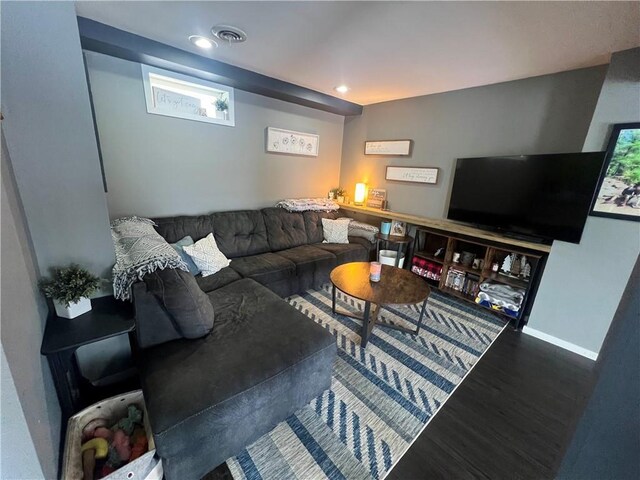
202 42
341 89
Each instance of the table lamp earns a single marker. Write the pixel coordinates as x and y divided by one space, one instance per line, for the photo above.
361 191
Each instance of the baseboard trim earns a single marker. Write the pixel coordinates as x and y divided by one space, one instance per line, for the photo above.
560 343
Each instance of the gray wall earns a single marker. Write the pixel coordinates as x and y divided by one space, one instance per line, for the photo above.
49 132
157 165
544 114
583 284
23 317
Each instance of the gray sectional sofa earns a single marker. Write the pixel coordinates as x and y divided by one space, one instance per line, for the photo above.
212 390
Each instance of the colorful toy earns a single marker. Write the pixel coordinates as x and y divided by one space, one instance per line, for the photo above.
90 428
139 442
103 432
100 445
122 445
134 415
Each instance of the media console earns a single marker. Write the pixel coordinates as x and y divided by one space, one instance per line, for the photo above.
448 238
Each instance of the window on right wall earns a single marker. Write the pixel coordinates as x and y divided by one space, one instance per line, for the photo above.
181 96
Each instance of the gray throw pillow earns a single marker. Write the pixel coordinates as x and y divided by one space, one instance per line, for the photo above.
186 258
188 306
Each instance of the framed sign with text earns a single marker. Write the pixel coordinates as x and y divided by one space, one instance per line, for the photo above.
427 175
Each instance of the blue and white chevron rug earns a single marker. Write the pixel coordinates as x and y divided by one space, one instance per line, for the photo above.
381 397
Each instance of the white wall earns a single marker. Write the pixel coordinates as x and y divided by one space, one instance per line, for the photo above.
583 284
159 166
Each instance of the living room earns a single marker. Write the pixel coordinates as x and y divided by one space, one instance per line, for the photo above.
471 390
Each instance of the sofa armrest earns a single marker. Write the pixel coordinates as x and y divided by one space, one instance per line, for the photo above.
153 324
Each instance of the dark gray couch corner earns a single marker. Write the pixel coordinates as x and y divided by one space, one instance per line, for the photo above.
210 397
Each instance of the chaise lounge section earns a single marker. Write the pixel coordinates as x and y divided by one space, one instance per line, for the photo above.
209 397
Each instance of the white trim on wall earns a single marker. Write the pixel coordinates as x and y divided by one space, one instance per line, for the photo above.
560 343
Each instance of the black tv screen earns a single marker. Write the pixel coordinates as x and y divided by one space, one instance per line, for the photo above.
542 196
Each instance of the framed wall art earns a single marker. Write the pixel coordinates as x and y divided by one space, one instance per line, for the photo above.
618 192
387 147
292 142
427 175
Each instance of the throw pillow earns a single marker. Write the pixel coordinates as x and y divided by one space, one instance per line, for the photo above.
188 306
335 231
207 256
186 241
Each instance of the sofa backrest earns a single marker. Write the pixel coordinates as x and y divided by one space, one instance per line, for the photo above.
173 229
240 233
284 229
313 224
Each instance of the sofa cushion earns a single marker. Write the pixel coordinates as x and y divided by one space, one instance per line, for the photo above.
313 224
207 256
336 231
262 361
285 229
217 280
188 306
186 241
346 252
173 229
313 265
240 233
264 268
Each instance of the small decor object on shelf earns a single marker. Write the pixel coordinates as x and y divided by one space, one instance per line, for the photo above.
525 271
495 267
456 257
376 197
515 265
467 258
398 228
360 194
222 108
337 194
506 264
385 227
70 288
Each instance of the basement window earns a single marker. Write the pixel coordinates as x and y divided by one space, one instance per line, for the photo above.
181 96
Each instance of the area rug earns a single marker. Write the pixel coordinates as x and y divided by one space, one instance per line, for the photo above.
381 397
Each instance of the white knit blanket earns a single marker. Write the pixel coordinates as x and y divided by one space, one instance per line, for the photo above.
139 250
308 204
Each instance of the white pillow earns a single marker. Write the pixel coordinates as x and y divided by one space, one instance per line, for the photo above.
207 256
336 231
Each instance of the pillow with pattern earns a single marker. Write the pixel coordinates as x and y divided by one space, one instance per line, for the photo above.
335 231
207 256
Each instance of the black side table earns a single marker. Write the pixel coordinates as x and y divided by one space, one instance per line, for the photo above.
400 240
62 337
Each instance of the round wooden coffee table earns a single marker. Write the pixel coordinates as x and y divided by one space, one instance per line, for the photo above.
396 287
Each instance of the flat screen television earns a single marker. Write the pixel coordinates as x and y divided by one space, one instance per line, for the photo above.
546 197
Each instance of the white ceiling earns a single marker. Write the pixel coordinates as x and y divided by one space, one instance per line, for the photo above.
389 50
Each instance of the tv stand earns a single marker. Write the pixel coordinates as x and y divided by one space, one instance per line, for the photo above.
447 238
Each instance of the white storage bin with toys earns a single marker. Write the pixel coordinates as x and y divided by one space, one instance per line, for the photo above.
111 440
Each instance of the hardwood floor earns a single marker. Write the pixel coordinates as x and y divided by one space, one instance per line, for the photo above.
511 418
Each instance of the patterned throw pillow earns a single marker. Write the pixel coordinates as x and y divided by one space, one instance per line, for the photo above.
335 231
207 256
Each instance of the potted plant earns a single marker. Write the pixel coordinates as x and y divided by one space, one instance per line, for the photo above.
222 106
338 194
69 288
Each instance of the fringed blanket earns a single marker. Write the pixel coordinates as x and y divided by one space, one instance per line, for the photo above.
139 250
308 204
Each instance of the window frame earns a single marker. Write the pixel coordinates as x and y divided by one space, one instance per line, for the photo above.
187 81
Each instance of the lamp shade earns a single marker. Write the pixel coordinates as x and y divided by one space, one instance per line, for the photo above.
360 193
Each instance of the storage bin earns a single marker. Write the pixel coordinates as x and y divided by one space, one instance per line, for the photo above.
388 257
146 467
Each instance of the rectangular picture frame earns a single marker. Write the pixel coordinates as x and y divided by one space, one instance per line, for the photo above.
388 147
618 191
291 142
376 197
422 175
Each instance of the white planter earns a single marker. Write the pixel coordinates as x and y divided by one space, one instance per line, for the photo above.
74 309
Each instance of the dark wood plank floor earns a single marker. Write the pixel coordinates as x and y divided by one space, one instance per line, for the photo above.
511 418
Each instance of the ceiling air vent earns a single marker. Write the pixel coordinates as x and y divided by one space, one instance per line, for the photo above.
229 34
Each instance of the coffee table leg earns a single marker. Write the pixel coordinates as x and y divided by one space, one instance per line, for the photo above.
333 300
365 324
424 306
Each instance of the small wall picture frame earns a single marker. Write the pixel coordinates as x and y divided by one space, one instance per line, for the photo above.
292 142
398 228
388 147
426 175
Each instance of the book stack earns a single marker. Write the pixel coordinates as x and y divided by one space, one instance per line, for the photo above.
466 283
